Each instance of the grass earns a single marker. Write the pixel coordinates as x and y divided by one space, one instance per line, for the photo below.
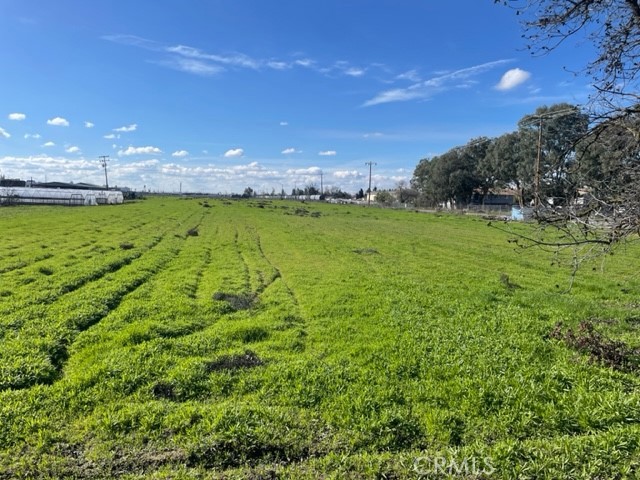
281 340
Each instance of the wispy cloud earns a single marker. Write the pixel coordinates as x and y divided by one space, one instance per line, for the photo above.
89 124
234 153
31 135
49 144
111 136
512 78
328 153
127 128
139 150
4 133
180 153
191 65
354 72
234 59
411 75
284 124
373 135
58 122
17 116
196 61
439 83
72 149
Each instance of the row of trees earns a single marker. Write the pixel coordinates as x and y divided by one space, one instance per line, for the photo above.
549 159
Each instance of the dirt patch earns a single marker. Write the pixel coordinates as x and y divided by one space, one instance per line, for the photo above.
586 339
163 390
46 271
366 251
248 359
236 301
508 284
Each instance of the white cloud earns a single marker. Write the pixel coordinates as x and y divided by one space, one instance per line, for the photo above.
354 72
58 122
373 135
289 151
442 82
180 153
89 124
139 150
31 135
347 174
328 153
111 136
17 116
284 124
305 171
49 144
4 133
512 78
72 149
127 128
234 153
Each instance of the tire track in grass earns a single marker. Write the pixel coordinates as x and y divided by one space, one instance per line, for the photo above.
37 352
49 296
164 309
245 265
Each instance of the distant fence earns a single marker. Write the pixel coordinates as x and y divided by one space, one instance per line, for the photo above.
493 209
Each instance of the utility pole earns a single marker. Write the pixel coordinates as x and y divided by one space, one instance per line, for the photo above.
103 161
369 191
536 193
538 166
321 190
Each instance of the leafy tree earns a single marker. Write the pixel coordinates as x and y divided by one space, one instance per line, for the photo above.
360 194
558 129
509 163
613 27
450 177
384 197
405 193
311 189
336 192
248 192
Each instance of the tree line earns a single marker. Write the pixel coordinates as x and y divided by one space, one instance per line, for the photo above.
552 158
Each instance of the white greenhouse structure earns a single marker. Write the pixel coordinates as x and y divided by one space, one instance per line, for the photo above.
58 196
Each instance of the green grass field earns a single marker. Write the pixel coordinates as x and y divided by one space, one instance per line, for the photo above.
175 338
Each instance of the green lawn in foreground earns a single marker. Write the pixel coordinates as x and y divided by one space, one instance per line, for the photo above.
175 338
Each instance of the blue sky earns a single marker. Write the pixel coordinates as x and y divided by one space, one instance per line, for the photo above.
218 95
